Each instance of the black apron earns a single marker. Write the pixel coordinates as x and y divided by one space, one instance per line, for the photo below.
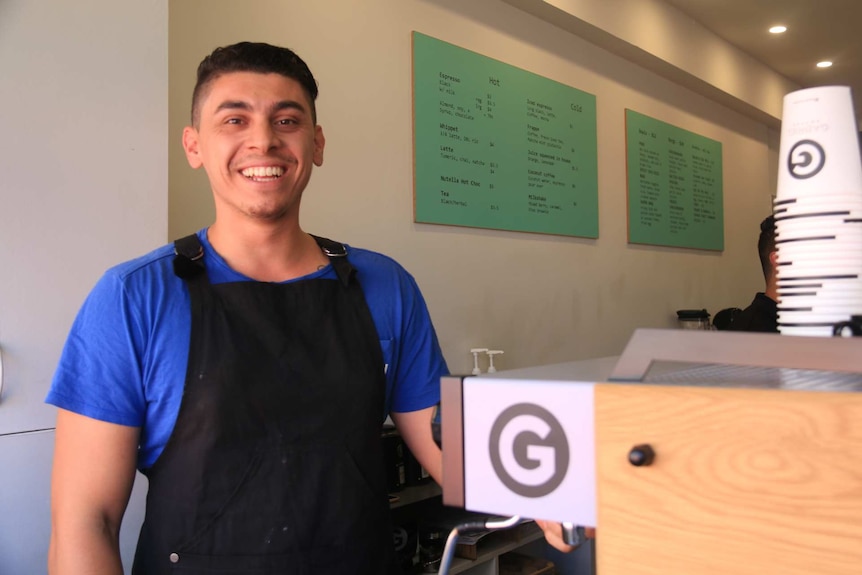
275 465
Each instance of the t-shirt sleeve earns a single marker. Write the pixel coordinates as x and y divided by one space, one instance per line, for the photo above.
419 363
99 372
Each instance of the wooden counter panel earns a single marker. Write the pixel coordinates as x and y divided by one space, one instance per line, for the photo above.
749 482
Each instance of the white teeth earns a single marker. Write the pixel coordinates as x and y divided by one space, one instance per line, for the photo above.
263 172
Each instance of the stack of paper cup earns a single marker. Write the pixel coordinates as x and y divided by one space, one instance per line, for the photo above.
818 212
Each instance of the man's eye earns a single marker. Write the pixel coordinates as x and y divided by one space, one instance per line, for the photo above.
286 122
233 121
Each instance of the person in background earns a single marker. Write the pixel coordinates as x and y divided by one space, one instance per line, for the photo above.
246 369
762 314
724 318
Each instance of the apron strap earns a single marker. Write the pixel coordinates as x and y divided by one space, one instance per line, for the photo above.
189 263
337 254
189 259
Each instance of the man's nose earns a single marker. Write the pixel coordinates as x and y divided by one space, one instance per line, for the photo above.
264 137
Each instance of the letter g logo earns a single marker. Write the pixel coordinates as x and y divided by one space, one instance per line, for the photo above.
529 450
805 159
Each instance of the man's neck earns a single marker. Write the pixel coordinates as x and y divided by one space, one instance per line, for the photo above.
267 252
771 291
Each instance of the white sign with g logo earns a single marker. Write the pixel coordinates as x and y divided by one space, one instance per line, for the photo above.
529 449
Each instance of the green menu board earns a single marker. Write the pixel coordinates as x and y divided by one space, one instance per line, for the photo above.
674 185
498 147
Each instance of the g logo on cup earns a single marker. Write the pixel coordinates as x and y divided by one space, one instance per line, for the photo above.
529 450
805 159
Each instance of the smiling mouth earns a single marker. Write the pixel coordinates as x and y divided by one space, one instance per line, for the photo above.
263 174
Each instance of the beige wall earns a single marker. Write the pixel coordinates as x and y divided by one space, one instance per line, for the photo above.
542 299
656 35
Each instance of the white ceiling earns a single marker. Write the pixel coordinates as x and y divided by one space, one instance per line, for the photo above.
816 30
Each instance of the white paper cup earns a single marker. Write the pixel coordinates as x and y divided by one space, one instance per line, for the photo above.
832 285
838 287
791 258
823 249
848 311
844 218
822 305
852 289
825 331
834 196
828 277
821 203
822 225
825 198
836 239
797 242
826 246
819 146
788 257
788 305
812 317
842 213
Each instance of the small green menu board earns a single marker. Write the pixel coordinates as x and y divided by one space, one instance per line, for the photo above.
501 148
674 185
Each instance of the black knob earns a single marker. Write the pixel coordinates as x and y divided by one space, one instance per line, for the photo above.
641 455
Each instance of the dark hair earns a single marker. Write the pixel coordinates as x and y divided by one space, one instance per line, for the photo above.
253 57
766 244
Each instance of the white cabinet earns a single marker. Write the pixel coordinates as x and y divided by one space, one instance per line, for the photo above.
25 466
25 522
83 118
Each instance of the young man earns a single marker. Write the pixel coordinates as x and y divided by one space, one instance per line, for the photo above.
247 374
245 370
762 314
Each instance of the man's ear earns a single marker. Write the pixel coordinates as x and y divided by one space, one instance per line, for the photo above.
773 258
192 147
319 143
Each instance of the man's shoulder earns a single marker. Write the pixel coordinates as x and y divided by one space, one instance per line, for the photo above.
371 262
380 274
148 267
760 315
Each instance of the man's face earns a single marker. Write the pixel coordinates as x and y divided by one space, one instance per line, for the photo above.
257 142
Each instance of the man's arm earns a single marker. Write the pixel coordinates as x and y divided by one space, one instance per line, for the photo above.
92 478
415 429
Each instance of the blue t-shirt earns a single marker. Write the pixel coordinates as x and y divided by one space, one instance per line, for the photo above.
125 358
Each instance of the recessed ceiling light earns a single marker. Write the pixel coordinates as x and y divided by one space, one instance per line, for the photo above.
824 64
778 29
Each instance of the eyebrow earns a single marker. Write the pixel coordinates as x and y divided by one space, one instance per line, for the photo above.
241 105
